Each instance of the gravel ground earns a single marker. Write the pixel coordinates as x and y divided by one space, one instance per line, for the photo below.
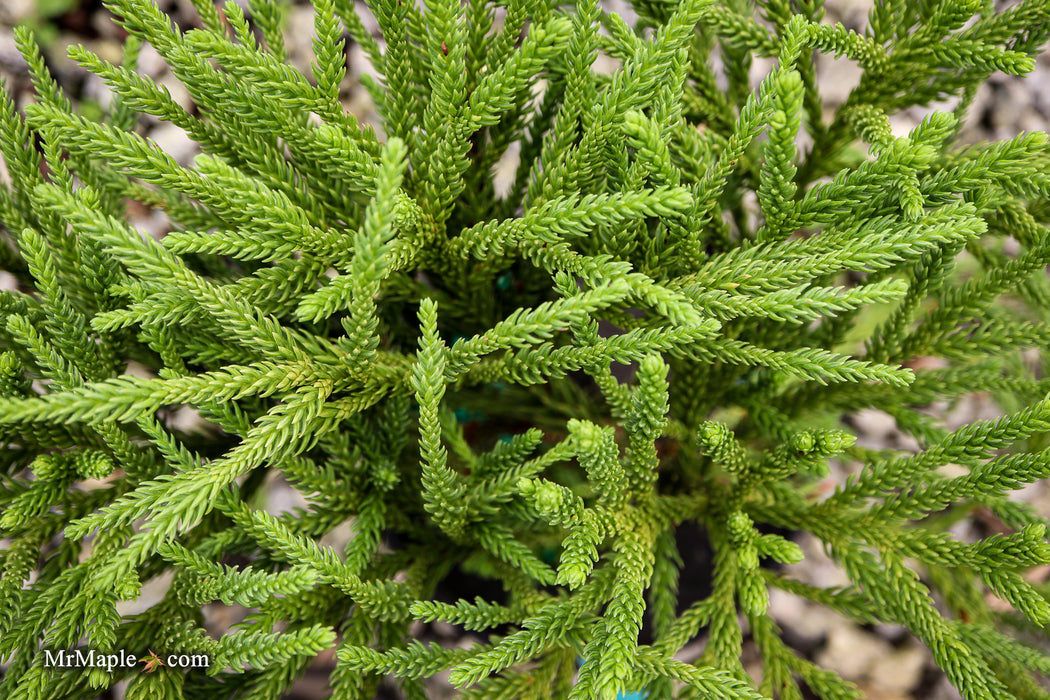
885 661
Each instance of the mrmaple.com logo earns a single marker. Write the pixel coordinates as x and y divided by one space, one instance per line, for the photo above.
89 658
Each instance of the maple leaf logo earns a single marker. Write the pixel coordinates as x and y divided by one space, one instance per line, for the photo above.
152 662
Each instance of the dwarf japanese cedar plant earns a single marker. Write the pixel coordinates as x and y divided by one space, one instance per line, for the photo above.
668 316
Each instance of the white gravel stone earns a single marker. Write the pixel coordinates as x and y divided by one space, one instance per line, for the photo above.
187 419
96 89
837 78
281 497
815 623
300 34
359 65
150 62
816 568
152 592
11 62
338 537
156 224
16 11
174 141
852 652
873 426
8 282
177 90
901 670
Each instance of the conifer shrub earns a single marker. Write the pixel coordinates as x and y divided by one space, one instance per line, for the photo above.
668 317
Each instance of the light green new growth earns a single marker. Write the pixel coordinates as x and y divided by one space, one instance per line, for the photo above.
665 317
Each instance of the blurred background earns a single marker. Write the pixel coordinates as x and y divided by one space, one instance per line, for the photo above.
884 661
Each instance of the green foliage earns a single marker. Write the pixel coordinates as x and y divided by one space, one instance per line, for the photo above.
439 361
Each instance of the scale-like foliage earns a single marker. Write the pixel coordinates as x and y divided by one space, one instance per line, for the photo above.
439 361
